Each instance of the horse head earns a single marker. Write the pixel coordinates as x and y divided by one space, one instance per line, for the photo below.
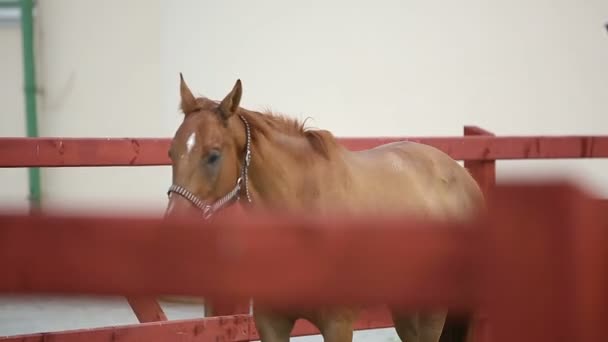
210 154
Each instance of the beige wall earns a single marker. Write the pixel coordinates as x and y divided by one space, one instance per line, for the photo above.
391 68
98 71
404 68
14 183
99 68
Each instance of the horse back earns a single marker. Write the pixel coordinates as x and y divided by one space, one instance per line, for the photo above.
408 176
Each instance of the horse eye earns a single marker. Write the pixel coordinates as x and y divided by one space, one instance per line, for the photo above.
213 157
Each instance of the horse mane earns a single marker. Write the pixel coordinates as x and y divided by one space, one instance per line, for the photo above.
321 141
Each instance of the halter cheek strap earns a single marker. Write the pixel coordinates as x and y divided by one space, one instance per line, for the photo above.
210 209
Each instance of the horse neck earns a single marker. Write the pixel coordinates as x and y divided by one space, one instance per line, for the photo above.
285 170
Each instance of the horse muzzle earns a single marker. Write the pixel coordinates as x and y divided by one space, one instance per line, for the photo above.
179 206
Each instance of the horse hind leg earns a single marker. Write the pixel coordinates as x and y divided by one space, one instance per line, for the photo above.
420 327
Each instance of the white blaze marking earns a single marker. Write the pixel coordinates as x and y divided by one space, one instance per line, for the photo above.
190 142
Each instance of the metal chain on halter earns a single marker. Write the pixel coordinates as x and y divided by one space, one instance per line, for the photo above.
189 196
247 156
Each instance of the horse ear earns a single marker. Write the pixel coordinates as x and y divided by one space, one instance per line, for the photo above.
230 103
188 102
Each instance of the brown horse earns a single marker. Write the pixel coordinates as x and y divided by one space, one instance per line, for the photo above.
222 153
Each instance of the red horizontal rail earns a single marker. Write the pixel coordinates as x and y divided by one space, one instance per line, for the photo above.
269 259
67 152
236 328
265 257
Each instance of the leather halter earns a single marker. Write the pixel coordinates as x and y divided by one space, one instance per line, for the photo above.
210 209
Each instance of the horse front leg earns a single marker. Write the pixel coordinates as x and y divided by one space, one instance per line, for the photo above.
422 327
335 325
273 327
337 331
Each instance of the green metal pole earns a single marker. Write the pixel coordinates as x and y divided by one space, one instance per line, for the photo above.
29 73
10 4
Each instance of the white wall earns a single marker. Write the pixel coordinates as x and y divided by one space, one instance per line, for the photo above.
405 68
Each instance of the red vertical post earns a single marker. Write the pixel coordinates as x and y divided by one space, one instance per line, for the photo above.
147 309
484 172
590 269
545 276
227 306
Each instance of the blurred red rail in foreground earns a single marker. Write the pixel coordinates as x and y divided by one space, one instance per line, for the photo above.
543 277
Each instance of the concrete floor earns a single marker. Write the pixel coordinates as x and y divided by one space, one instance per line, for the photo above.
34 314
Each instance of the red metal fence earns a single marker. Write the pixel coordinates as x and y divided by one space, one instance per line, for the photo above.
458 265
480 145
538 264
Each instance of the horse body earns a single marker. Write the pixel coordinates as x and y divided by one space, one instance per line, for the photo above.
411 178
396 178
293 169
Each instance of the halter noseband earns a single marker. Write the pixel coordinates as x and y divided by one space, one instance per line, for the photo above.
210 209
